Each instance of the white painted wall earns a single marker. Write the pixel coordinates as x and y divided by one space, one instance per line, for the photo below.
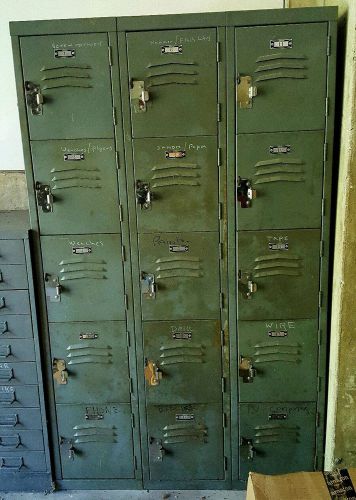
25 10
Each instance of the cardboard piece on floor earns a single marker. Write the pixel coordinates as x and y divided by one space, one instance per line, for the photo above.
302 486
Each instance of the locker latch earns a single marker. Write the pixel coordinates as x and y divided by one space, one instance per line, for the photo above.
44 197
68 443
53 288
246 285
139 96
153 374
251 449
59 371
246 370
143 194
148 285
157 451
244 192
34 98
245 91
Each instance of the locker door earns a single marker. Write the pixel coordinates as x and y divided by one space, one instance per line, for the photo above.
185 442
276 438
176 181
278 360
186 355
95 360
284 172
68 86
83 277
96 441
278 274
286 66
173 80
179 275
79 181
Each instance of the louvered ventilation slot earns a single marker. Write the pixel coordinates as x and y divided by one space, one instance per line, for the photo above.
94 434
75 178
184 433
277 351
66 76
279 170
280 65
178 267
276 433
180 352
278 264
184 174
86 353
171 73
82 269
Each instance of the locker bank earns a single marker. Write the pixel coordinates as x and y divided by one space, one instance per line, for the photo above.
179 170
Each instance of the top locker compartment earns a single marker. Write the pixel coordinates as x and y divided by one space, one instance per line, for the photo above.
281 77
173 82
67 85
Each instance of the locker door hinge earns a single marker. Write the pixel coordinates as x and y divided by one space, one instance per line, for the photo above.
327 100
135 462
225 463
219 112
320 298
219 157
110 55
319 388
319 337
222 338
323 207
224 420
321 248
325 152
222 384
117 160
131 391
328 46
221 300
114 116
220 211
123 253
121 213
221 251
317 419
128 339
126 299
315 462
217 51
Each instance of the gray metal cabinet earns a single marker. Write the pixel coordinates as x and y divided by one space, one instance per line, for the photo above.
24 451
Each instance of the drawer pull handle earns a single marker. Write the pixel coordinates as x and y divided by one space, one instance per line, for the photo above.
6 374
9 420
5 351
2 302
10 441
11 467
4 327
7 398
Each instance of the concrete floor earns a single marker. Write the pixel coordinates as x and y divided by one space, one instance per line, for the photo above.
128 495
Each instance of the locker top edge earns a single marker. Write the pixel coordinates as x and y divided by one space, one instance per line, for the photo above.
14 224
174 21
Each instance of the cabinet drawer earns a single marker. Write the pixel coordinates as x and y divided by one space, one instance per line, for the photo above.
17 350
22 461
12 327
22 419
14 302
13 440
12 252
18 373
21 396
13 277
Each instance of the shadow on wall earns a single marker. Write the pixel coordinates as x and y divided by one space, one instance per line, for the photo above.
13 190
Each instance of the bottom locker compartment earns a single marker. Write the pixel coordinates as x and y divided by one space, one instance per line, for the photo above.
185 442
276 438
96 441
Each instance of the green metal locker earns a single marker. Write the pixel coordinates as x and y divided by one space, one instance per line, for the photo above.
179 172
